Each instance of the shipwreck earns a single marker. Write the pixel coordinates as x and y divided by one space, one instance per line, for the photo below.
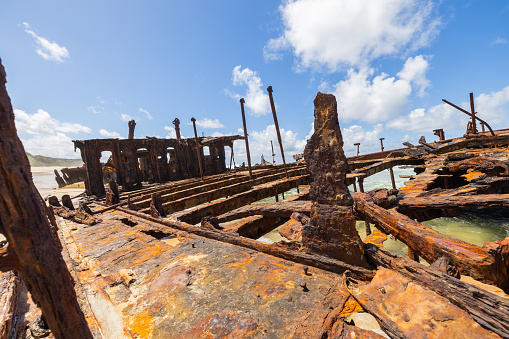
169 247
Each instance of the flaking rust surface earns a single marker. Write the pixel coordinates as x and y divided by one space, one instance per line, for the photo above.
199 288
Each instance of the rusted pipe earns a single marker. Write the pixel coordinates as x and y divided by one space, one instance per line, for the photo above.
176 122
393 182
132 125
269 89
242 101
198 153
382 143
474 127
357 144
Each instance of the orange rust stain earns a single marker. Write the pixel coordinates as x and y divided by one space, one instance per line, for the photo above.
471 175
351 306
141 325
376 238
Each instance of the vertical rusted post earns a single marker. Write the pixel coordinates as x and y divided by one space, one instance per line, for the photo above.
132 125
357 144
368 228
273 154
474 127
382 143
393 182
198 153
31 248
269 89
176 122
354 185
242 101
413 255
361 184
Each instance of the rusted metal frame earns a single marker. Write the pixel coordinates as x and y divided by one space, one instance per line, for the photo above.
186 201
117 159
428 243
193 189
470 114
277 250
246 138
198 148
274 209
481 141
269 89
489 310
132 125
241 199
187 183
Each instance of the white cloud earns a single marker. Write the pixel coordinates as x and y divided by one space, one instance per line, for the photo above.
48 50
422 121
57 145
42 123
414 71
256 99
46 135
109 134
493 107
383 97
499 41
369 140
93 110
146 112
340 33
172 134
209 123
126 117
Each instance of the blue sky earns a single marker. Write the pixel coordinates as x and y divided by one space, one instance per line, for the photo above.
80 70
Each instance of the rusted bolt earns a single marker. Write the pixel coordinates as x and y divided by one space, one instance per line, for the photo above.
305 268
304 286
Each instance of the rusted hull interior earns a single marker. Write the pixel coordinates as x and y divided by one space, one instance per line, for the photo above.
167 250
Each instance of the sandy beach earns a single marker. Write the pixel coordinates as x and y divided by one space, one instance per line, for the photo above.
44 180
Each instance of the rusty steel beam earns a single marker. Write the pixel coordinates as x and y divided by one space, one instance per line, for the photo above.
274 209
277 250
242 101
429 244
269 89
256 193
